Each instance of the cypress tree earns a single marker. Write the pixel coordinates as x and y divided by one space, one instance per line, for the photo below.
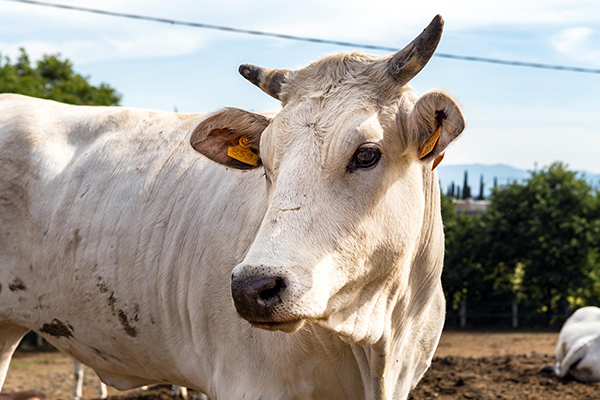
481 188
466 193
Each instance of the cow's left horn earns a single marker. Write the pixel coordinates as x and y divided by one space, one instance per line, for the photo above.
407 63
269 80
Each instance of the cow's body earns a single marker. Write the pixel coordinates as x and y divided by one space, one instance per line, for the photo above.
118 240
578 348
111 212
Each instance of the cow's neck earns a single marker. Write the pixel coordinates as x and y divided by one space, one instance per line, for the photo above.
393 365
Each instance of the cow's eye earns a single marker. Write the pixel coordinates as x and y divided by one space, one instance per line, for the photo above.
366 156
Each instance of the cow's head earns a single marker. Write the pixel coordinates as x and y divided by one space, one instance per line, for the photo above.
353 224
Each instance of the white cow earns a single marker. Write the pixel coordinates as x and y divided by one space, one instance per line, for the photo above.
578 348
131 250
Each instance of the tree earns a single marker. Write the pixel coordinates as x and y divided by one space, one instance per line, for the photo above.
462 277
481 189
53 78
539 242
466 193
450 192
541 237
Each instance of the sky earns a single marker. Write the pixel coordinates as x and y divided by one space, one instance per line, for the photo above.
517 116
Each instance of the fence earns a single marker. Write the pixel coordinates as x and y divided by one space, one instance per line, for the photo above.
507 314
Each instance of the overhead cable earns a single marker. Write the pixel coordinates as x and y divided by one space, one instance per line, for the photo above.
305 39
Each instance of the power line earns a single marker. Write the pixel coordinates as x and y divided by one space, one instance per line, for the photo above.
305 39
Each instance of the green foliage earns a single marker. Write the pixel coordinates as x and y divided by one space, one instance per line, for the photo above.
53 78
462 277
538 241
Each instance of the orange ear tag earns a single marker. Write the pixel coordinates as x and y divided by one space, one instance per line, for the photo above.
428 148
242 152
437 161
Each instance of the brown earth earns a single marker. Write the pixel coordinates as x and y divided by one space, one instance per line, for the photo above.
51 373
498 366
468 365
482 344
510 377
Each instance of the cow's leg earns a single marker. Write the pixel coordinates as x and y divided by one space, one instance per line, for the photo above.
199 396
10 336
102 391
179 392
183 392
78 374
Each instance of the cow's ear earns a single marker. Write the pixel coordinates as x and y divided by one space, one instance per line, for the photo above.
231 137
435 121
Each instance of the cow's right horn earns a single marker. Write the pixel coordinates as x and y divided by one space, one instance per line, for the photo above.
269 80
409 61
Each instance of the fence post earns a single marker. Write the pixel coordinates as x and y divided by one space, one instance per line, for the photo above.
463 314
515 314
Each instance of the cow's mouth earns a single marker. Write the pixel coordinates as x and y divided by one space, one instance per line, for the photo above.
287 326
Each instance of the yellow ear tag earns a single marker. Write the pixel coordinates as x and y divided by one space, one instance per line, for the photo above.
428 148
242 152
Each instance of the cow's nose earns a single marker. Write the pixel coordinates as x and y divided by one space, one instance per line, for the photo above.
255 298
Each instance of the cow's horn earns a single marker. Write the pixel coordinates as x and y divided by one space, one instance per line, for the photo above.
269 80
407 63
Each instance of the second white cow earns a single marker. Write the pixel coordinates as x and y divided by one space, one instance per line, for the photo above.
578 349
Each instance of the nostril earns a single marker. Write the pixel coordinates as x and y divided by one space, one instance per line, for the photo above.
257 298
274 291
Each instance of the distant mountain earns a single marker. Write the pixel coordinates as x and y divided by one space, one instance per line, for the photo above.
504 173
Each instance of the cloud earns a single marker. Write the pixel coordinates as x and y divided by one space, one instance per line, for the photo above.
577 44
88 37
161 43
571 39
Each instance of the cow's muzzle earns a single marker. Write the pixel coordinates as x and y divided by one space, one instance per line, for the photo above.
264 296
258 298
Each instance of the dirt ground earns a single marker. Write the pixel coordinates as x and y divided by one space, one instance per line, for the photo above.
50 373
467 365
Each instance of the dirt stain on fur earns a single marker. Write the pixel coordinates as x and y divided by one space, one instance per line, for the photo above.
17 285
57 329
130 330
